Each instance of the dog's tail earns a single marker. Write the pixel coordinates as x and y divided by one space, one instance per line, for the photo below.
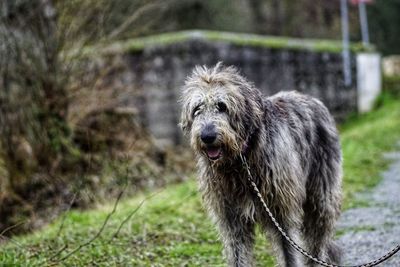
334 253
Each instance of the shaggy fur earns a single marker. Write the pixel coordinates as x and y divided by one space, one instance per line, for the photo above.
292 146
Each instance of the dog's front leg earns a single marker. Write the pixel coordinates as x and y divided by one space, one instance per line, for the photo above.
287 256
237 234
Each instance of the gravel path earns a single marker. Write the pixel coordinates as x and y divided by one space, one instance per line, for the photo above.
370 232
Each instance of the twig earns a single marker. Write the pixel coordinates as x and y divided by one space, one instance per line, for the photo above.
12 227
132 18
65 214
8 239
96 235
58 252
133 212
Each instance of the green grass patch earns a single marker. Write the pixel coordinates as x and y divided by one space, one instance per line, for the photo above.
172 229
364 139
241 39
365 228
391 85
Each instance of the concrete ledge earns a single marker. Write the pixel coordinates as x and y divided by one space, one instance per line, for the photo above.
240 39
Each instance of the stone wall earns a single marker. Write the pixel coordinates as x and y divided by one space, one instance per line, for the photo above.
157 73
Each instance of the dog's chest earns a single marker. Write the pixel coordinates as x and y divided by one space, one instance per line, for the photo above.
233 189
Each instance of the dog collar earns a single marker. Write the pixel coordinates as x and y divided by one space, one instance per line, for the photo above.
246 144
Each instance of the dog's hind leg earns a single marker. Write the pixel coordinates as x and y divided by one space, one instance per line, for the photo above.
318 229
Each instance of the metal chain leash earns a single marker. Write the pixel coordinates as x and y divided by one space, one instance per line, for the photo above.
295 245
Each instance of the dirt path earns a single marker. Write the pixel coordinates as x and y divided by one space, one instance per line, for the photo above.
371 231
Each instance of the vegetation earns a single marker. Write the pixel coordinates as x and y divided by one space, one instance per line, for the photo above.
301 19
391 85
60 146
35 138
383 23
41 83
170 227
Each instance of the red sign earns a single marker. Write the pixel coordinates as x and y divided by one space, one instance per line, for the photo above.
356 2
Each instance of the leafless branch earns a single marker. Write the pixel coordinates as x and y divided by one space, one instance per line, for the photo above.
131 19
8 239
65 214
12 227
99 232
61 250
133 212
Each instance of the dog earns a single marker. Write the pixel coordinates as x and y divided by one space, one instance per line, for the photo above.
292 147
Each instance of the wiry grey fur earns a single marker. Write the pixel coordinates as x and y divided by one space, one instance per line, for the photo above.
292 146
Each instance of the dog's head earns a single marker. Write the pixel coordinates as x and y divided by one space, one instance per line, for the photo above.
220 111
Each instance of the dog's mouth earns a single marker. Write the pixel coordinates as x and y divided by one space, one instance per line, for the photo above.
213 152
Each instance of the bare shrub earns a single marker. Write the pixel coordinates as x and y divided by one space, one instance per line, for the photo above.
40 80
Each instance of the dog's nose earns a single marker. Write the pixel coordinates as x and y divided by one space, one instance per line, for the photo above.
208 134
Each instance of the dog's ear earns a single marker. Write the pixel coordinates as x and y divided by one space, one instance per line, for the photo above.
184 101
185 120
183 127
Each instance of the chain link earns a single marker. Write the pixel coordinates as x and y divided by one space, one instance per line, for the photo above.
294 244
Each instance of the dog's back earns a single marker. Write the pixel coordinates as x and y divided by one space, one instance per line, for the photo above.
317 142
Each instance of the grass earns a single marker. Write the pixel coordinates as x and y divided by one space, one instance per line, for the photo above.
364 139
171 228
366 228
241 39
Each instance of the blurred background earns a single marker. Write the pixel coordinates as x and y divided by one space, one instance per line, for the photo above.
89 89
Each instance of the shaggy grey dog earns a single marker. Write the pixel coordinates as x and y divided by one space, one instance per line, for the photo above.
292 147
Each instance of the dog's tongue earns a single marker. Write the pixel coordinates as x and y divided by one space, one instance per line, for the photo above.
213 152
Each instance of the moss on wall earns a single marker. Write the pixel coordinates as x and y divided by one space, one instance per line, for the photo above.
241 39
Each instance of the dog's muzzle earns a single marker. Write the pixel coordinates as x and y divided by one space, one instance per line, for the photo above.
209 136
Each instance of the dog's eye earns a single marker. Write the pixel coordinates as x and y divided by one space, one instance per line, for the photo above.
196 111
221 106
